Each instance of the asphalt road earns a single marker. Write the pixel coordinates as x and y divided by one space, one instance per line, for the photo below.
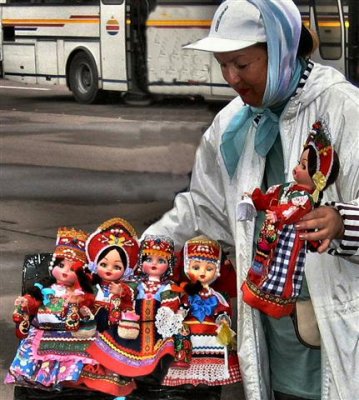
67 164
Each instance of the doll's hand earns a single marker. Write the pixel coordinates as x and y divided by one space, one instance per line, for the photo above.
183 312
325 224
86 312
271 216
115 288
21 301
223 319
74 297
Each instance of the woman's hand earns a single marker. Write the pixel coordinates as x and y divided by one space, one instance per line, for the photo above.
326 224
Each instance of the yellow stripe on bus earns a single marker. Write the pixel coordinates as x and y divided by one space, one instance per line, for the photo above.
207 23
179 22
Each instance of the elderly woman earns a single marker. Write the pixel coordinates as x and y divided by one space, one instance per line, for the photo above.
262 46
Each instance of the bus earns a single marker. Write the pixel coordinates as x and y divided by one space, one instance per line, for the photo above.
135 46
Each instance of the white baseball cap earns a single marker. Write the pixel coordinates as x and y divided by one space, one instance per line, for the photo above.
236 24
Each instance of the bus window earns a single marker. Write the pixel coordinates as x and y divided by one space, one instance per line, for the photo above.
329 29
112 1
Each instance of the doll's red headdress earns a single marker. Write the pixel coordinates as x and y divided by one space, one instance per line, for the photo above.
203 249
319 140
114 232
70 245
157 245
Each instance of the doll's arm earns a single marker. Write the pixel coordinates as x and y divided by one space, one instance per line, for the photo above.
28 304
262 201
127 298
291 212
88 300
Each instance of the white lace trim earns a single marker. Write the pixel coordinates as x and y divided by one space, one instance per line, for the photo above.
168 323
207 372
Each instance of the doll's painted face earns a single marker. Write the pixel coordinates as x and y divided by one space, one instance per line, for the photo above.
301 173
64 274
154 266
110 267
203 271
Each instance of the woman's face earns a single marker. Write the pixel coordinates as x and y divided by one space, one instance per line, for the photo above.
64 274
203 271
154 266
110 267
246 72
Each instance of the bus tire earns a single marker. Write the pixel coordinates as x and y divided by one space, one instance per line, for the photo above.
83 79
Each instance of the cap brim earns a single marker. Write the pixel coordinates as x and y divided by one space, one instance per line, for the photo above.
219 45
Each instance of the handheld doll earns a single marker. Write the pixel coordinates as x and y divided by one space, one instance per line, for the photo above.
207 319
154 346
46 357
112 251
275 279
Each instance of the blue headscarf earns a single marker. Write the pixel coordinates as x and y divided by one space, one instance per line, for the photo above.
282 22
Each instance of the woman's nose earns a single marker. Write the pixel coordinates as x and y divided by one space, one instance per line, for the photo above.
231 75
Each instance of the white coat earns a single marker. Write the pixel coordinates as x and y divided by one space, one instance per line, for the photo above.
210 208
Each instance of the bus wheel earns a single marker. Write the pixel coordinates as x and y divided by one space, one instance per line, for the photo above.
83 79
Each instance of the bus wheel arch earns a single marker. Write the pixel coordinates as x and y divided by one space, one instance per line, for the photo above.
82 76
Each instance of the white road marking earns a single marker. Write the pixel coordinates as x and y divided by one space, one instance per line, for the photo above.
25 88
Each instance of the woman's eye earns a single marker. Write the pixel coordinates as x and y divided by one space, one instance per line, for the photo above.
162 261
118 268
103 265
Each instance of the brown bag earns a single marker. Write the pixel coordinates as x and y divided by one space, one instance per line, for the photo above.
305 324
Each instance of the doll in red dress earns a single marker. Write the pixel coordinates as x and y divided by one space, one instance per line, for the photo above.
112 251
207 318
156 304
275 278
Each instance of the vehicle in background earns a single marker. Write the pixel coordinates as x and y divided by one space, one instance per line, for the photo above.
135 46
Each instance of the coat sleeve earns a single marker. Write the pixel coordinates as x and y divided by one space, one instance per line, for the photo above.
345 131
202 209
349 245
